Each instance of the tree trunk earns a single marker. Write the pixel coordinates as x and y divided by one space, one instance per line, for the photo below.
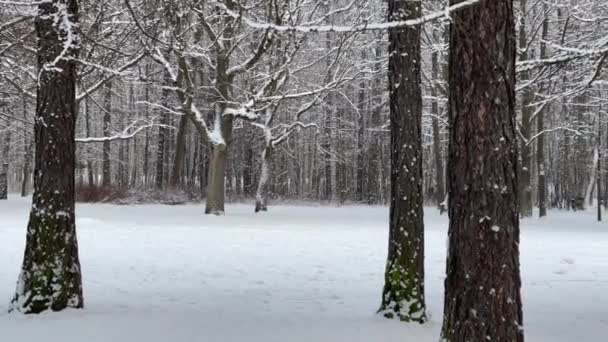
439 172
374 166
361 153
261 197
50 276
403 295
106 173
160 154
4 166
525 184
180 150
599 169
145 172
87 122
540 127
215 189
28 155
482 286
248 168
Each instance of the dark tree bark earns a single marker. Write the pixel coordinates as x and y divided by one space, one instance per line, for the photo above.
403 295
87 122
161 145
4 181
4 166
28 154
482 287
147 138
437 159
248 168
106 173
180 150
540 127
599 169
50 277
361 153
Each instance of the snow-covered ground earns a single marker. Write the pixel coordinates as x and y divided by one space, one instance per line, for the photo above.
171 274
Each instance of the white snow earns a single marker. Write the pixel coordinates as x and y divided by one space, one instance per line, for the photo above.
170 273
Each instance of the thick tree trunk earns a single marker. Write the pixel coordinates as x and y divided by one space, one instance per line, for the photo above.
482 286
403 295
261 197
215 188
50 277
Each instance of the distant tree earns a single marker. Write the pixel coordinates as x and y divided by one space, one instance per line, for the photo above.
50 277
403 294
482 287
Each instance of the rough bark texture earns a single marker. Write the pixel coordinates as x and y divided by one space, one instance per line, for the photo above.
50 277
482 287
403 295
215 188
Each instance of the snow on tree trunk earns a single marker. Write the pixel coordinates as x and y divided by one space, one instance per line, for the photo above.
50 277
592 178
261 197
482 286
403 295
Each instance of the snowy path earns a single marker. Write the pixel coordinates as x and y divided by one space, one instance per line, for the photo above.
162 273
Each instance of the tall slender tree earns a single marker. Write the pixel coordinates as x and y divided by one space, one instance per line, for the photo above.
540 126
403 294
50 277
482 287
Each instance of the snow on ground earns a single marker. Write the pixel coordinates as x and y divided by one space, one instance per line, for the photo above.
170 273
